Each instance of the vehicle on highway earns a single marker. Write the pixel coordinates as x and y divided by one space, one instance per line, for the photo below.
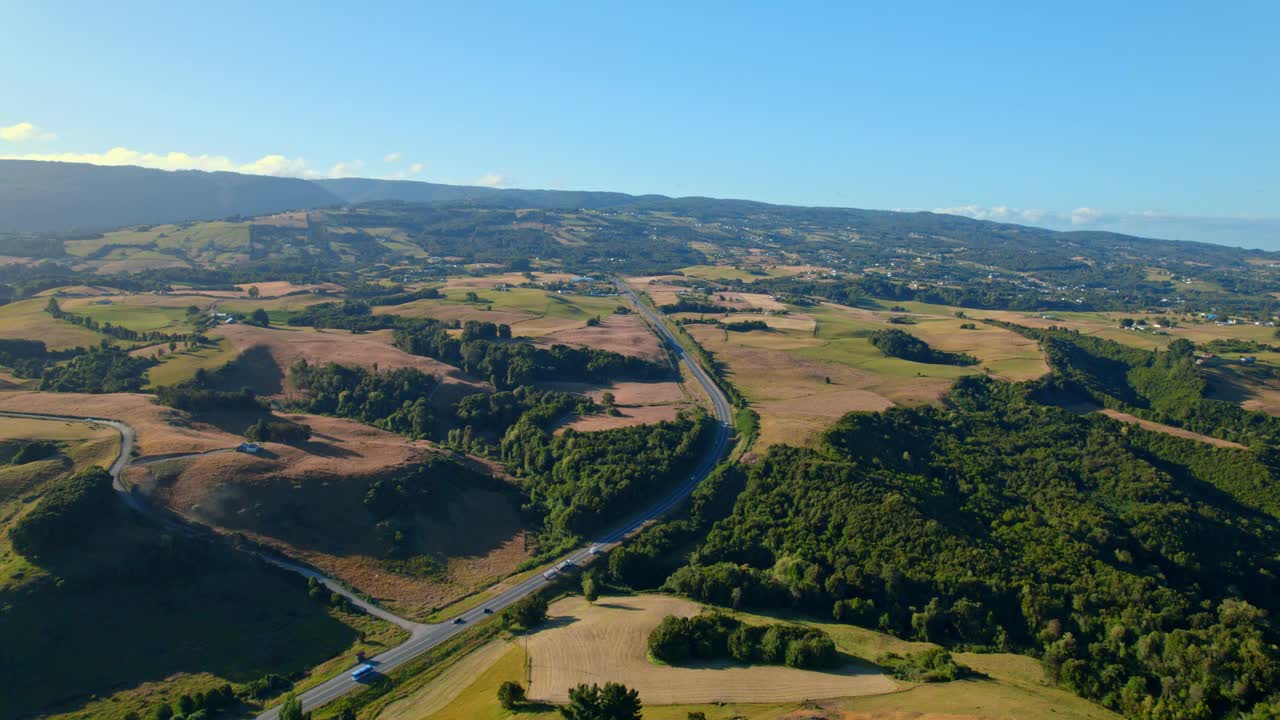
488 611
565 566
550 574
458 621
362 673
595 550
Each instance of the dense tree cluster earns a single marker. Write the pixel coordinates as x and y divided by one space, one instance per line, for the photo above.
932 665
278 430
104 369
614 701
29 358
715 636
509 365
527 613
66 513
1142 570
904 345
1163 386
395 400
745 325
195 396
693 305
580 481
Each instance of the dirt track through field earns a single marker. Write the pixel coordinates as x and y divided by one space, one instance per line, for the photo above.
607 641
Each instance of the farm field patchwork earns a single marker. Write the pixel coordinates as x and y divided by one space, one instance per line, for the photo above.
815 364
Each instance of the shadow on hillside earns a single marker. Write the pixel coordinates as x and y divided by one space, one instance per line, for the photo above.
255 369
617 606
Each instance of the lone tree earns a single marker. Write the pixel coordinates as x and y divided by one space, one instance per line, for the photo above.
260 317
253 291
291 708
510 694
590 587
527 613
614 701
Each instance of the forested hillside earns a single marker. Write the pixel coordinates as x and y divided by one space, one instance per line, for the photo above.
64 197
1141 568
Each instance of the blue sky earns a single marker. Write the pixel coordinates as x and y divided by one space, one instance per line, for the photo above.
1128 116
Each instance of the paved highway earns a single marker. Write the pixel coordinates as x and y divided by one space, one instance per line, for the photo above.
425 637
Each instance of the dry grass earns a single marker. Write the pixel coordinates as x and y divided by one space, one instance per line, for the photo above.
586 643
640 403
486 282
287 346
815 364
1170 430
645 415
160 430
623 334
269 289
442 693
27 320
1255 389
307 501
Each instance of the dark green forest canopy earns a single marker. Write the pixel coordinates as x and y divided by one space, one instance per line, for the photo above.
1142 568
1162 386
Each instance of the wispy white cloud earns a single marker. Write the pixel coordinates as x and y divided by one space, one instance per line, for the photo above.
413 171
492 180
1259 232
1085 216
277 165
25 132
344 169
997 213
391 157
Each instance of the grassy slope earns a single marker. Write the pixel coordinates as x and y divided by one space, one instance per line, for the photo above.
26 319
181 365
133 643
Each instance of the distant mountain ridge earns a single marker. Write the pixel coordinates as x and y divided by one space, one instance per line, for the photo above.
65 197
55 197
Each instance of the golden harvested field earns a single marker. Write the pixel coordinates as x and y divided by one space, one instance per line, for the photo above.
661 289
307 501
815 363
1014 686
271 289
485 282
641 403
27 320
623 334
643 415
441 695
608 640
1253 389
